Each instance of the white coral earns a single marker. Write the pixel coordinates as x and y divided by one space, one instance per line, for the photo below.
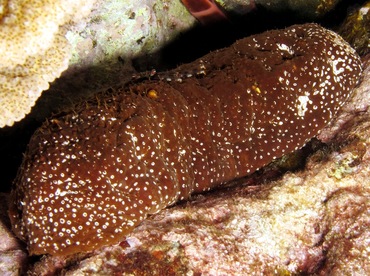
33 50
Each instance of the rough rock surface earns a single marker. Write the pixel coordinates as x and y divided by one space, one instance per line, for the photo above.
356 29
13 258
305 8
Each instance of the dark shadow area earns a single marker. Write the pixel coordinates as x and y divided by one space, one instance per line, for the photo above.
78 84
201 40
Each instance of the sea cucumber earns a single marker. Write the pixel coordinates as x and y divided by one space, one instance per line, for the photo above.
91 175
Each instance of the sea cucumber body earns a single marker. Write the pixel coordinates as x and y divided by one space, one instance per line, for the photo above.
91 175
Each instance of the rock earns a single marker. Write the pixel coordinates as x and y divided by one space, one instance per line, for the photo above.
303 8
13 257
356 28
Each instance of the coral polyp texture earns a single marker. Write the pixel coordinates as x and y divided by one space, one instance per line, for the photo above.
34 51
91 175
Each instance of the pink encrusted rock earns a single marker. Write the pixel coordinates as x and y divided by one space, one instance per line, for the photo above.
13 258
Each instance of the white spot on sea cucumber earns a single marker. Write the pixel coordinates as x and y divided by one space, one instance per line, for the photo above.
284 47
337 71
302 105
58 192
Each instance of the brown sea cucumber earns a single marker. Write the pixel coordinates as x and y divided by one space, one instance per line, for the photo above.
93 174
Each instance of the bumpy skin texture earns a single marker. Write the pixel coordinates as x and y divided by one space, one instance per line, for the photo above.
93 174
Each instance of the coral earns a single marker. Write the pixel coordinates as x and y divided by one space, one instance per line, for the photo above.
34 51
